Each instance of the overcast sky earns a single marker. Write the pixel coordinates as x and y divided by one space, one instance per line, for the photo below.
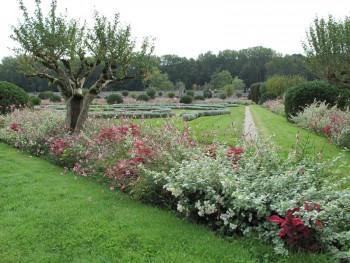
188 28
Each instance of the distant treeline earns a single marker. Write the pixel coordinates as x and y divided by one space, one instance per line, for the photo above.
252 65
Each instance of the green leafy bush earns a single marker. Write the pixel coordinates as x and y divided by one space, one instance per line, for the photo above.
11 97
267 96
35 101
114 98
160 93
207 94
125 93
255 92
55 98
223 96
151 92
199 97
133 95
186 99
239 94
143 97
190 93
45 95
171 95
304 94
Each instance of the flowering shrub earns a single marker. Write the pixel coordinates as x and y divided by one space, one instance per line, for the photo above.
330 122
234 190
276 106
263 184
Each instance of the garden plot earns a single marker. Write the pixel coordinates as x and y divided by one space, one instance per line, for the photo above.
147 110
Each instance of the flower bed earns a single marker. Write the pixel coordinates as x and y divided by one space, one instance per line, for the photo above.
330 122
244 190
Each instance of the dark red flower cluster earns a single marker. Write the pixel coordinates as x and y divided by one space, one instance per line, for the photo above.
59 146
293 229
117 133
327 130
15 126
235 154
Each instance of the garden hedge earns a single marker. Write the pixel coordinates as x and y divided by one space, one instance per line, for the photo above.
12 96
304 94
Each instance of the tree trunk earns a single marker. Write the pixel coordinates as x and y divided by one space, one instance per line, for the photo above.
73 106
84 110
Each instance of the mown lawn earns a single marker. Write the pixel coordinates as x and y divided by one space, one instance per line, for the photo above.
47 215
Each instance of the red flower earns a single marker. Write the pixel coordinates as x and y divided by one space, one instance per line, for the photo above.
327 130
293 229
234 153
15 126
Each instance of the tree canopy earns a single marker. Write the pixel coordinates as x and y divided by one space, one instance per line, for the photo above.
67 52
327 47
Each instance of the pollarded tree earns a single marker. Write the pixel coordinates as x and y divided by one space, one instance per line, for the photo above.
67 53
328 50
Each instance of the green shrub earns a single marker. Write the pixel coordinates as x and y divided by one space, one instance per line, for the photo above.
133 95
125 93
190 93
186 99
55 98
239 94
254 92
143 97
304 94
151 92
199 97
171 95
45 95
35 101
267 96
207 94
114 99
160 93
223 96
229 89
11 96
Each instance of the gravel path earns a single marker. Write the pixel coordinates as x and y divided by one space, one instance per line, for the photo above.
250 132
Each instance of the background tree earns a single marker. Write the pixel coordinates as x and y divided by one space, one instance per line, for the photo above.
158 80
67 53
278 85
238 84
327 47
220 79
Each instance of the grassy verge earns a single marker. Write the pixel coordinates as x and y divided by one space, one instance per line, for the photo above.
50 216
284 134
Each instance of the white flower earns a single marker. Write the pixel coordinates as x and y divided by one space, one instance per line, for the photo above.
233 226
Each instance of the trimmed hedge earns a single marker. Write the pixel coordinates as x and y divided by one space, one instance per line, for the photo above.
114 98
187 99
12 96
304 94
194 115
